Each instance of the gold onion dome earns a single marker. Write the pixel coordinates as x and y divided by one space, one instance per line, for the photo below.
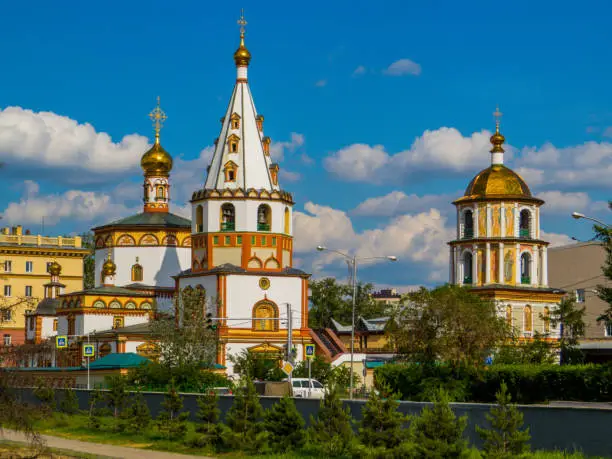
497 181
156 161
242 56
55 269
109 268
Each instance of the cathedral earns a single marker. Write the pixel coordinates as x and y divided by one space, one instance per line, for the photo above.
498 251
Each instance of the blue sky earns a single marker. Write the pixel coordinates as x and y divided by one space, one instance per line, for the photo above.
350 126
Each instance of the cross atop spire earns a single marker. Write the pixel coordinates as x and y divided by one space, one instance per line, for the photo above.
242 22
158 116
497 114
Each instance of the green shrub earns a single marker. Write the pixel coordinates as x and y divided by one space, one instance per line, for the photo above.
285 426
331 431
244 420
381 424
69 403
45 394
136 416
171 421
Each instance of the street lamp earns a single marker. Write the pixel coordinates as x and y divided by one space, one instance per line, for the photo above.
353 261
578 216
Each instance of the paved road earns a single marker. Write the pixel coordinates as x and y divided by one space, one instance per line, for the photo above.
97 448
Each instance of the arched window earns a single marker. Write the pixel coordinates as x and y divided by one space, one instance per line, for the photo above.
264 314
525 268
546 319
287 221
264 218
199 219
105 349
136 273
525 224
527 319
509 315
468 224
161 195
228 217
467 268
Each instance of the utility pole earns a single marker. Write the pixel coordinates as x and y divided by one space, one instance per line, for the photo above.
289 339
354 261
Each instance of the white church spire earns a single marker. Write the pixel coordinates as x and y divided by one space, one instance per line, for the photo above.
242 154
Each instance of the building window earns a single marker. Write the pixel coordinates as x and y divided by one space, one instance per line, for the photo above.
580 295
137 274
28 290
264 241
253 240
228 240
71 326
468 224
264 217
228 217
467 268
274 241
161 195
264 314
230 169
199 219
6 315
233 143
525 268
238 240
8 266
527 319
29 266
54 324
525 224
7 290
49 263
608 329
215 240
287 221
546 319
7 340
118 321
235 121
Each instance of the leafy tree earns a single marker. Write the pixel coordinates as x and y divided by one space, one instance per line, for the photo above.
570 318
136 416
89 262
185 340
285 425
321 370
505 439
117 394
381 424
605 292
261 366
341 377
450 324
437 432
45 393
187 378
69 403
332 300
171 421
331 431
535 351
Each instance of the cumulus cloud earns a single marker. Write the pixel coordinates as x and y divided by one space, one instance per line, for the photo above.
398 202
360 70
289 176
48 140
444 149
403 67
556 239
278 149
559 202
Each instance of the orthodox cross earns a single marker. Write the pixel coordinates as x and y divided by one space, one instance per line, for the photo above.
242 22
497 114
158 116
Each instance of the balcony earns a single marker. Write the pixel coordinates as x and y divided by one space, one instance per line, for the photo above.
467 280
524 233
468 233
526 280
228 226
263 227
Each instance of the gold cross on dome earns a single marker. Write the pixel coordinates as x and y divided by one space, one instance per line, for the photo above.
497 114
158 116
242 22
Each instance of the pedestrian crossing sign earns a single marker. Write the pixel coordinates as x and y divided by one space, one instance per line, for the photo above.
310 351
88 350
61 342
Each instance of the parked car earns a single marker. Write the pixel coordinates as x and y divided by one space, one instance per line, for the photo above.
302 389
221 390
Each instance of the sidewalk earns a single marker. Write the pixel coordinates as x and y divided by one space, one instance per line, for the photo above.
97 448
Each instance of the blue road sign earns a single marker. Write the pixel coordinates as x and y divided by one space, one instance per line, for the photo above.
88 350
61 342
310 351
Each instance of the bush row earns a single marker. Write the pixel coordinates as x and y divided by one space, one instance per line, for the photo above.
526 383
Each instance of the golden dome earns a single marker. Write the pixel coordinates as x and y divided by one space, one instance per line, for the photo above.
242 56
55 269
109 268
156 161
497 181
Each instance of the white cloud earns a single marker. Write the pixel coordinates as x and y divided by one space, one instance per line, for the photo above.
444 149
559 202
321 83
607 132
289 176
278 149
360 70
556 239
398 202
48 140
403 67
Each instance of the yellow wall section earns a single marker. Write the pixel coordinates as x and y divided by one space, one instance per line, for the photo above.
496 220
222 255
509 222
482 219
286 258
509 266
481 267
494 269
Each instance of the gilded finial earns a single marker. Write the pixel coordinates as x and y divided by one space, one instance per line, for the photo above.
497 139
158 116
242 56
109 268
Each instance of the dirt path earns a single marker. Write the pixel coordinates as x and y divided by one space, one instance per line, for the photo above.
97 448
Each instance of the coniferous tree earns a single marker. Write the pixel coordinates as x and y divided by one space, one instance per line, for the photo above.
171 421
285 425
136 416
70 402
45 393
437 432
117 394
331 431
505 439
210 429
244 419
95 397
381 424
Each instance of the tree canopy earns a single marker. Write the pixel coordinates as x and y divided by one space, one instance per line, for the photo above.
604 234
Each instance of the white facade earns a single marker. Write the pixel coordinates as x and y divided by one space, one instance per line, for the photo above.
158 263
91 322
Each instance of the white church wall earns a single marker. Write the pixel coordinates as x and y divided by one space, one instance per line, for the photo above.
130 346
62 325
158 263
94 322
47 328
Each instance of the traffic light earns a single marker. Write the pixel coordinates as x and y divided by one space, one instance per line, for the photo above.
210 325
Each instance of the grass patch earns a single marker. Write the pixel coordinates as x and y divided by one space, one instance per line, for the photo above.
11 449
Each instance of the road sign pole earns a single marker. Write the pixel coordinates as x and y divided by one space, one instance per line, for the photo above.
309 377
88 387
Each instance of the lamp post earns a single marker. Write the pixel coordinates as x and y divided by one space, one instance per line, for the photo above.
353 262
578 216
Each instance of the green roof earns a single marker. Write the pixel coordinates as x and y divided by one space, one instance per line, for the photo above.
374 364
113 361
153 219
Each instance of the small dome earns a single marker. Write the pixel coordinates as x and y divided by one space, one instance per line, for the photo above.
109 268
497 181
242 56
156 161
55 269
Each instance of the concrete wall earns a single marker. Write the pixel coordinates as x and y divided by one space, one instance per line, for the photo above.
560 428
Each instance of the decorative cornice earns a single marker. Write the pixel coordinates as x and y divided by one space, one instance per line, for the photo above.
514 240
239 193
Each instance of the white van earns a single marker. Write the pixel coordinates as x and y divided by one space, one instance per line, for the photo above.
302 389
